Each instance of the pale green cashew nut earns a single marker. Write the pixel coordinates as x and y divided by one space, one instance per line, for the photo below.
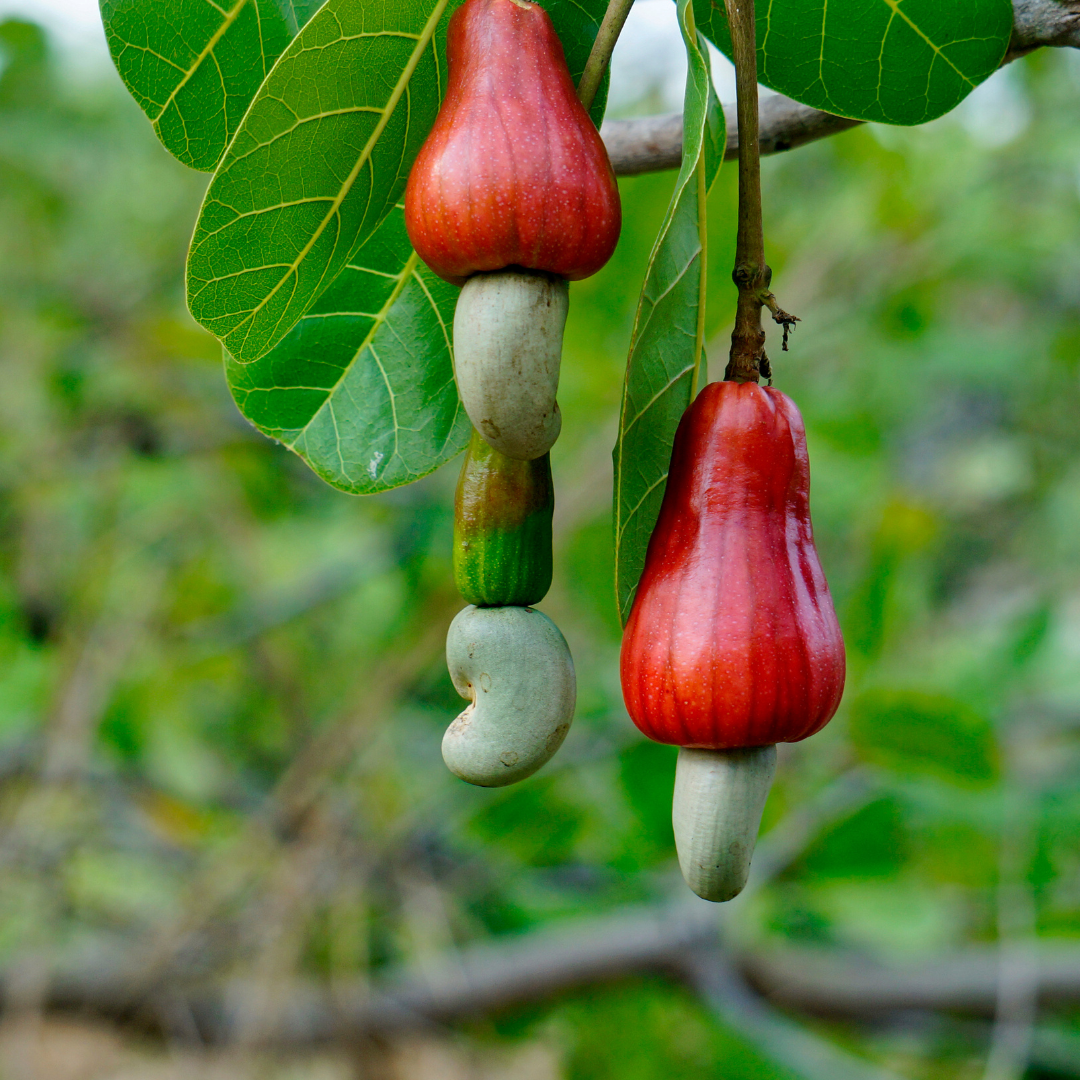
508 333
515 666
716 813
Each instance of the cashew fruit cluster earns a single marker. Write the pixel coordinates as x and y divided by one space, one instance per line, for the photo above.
511 197
732 644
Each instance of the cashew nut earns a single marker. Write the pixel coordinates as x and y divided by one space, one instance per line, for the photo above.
508 331
719 797
514 665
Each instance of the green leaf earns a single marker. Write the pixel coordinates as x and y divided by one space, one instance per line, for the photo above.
871 842
194 66
577 22
665 348
892 61
319 160
362 388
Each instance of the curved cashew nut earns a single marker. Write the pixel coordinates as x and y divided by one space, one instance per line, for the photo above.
719 797
508 331
515 666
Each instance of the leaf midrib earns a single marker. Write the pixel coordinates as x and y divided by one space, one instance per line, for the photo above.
894 6
392 102
228 21
407 272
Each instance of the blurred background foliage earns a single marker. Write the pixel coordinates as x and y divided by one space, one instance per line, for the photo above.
221 684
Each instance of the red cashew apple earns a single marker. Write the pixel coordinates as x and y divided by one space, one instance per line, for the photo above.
514 172
732 644
511 196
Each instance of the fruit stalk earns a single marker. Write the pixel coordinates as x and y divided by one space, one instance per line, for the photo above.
748 360
600 56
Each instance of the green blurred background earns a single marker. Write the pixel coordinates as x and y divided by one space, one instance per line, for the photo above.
221 684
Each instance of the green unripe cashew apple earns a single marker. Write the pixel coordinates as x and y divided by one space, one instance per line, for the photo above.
502 528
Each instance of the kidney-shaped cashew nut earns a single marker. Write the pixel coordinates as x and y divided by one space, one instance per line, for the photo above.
719 797
508 333
516 667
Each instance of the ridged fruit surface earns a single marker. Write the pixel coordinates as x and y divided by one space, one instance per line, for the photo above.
508 336
513 172
732 640
502 528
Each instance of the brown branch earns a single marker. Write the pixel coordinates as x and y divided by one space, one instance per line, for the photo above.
1041 23
803 1052
822 982
654 143
682 940
483 978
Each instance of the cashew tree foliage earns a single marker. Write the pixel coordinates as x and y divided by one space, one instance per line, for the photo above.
335 336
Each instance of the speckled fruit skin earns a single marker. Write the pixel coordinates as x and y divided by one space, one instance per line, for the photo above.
513 172
502 528
732 640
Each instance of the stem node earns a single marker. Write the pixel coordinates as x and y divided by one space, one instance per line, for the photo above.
752 275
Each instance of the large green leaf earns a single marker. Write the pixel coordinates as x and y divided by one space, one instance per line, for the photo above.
362 388
320 158
194 65
892 61
666 345
318 162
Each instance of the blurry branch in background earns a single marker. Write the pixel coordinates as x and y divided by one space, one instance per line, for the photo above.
458 984
482 978
100 655
832 984
654 143
124 583
272 934
1017 925
1040 23
296 825
807 1055
681 939
268 1006
298 835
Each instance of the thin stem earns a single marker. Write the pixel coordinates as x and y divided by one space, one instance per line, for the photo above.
600 57
701 368
750 248
751 275
1017 918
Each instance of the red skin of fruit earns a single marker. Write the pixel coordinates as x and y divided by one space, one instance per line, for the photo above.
732 640
513 172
